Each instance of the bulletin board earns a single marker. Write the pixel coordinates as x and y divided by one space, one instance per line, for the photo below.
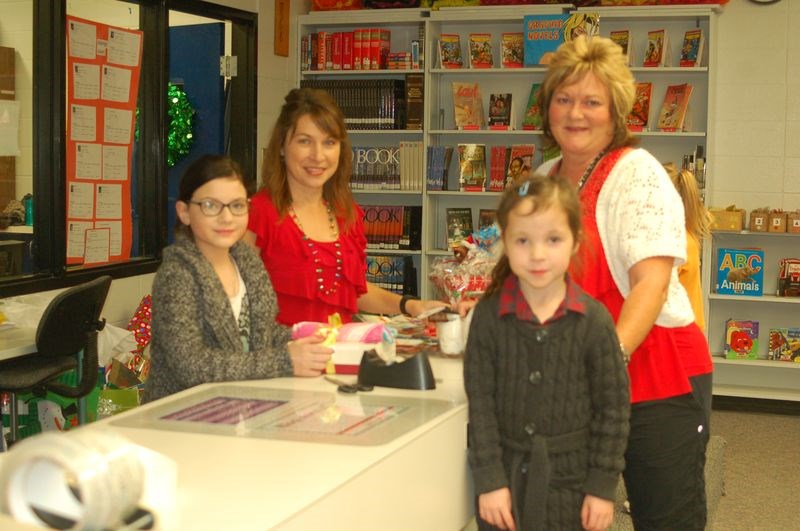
103 68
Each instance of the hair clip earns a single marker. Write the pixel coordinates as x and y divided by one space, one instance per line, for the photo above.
523 190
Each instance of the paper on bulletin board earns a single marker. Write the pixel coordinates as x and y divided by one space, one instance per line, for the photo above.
103 69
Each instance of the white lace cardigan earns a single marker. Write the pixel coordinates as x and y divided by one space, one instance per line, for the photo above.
640 215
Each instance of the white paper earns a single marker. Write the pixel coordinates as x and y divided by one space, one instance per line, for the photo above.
102 44
80 201
76 237
85 81
116 84
83 123
117 126
123 47
115 163
87 161
9 128
97 243
82 40
109 201
115 247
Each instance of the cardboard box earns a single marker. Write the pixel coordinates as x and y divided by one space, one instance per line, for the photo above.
777 221
727 219
759 221
793 222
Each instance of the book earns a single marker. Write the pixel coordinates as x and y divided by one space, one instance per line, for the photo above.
657 50
415 100
468 106
500 111
459 225
784 344
740 271
471 167
520 162
672 116
486 218
639 116
450 51
497 168
480 50
741 339
692 48
511 49
533 114
623 39
545 33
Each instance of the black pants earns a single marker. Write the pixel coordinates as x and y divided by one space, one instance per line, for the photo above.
665 461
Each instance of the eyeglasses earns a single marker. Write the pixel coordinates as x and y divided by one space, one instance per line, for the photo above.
212 207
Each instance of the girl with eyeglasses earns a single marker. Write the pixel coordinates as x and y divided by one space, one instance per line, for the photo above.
213 304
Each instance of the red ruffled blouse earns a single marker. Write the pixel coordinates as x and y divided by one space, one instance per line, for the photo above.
289 260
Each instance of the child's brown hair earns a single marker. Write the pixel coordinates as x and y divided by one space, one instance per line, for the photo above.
698 218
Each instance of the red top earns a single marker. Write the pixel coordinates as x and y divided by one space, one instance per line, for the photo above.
289 260
661 366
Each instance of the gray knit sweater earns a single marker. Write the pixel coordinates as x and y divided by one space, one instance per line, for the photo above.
195 336
548 410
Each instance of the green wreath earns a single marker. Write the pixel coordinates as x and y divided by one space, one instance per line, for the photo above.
180 135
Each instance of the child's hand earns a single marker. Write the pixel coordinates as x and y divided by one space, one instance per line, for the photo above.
309 355
464 306
495 508
596 513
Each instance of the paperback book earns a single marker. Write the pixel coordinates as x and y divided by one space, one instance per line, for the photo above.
486 218
501 111
468 106
545 33
533 115
471 167
741 339
623 40
740 271
692 48
672 116
497 168
657 51
450 51
784 344
638 118
520 162
480 50
459 225
511 45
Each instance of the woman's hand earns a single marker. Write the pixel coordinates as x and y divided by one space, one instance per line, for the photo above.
416 306
309 355
495 508
596 513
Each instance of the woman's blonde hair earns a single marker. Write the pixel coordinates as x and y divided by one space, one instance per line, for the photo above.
327 115
604 58
698 218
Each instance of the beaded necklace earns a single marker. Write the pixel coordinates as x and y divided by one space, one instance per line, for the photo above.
590 168
318 269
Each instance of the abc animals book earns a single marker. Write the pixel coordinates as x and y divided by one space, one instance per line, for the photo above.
740 271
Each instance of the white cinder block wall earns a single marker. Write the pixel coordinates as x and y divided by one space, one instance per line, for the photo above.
756 151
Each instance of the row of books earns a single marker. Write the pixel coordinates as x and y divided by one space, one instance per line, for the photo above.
360 49
460 225
742 339
468 110
393 226
367 103
394 273
387 167
673 114
657 48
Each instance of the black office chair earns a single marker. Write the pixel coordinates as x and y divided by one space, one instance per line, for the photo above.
68 326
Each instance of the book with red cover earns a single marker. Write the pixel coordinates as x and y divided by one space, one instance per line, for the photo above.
347 50
336 52
497 168
672 116
520 162
358 39
638 119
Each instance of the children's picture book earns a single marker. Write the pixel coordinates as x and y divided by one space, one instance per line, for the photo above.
692 48
638 118
741 339
545 33
784 344
740 271
520 162
480 50
459 225
623 39
497 168
511 47
468 106
500 111
486 217
471 167
657 50
672 116
533 114
450 51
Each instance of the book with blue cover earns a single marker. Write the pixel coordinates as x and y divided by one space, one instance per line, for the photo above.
543 34
740 271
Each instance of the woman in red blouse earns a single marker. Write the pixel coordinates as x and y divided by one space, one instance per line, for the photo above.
305 223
